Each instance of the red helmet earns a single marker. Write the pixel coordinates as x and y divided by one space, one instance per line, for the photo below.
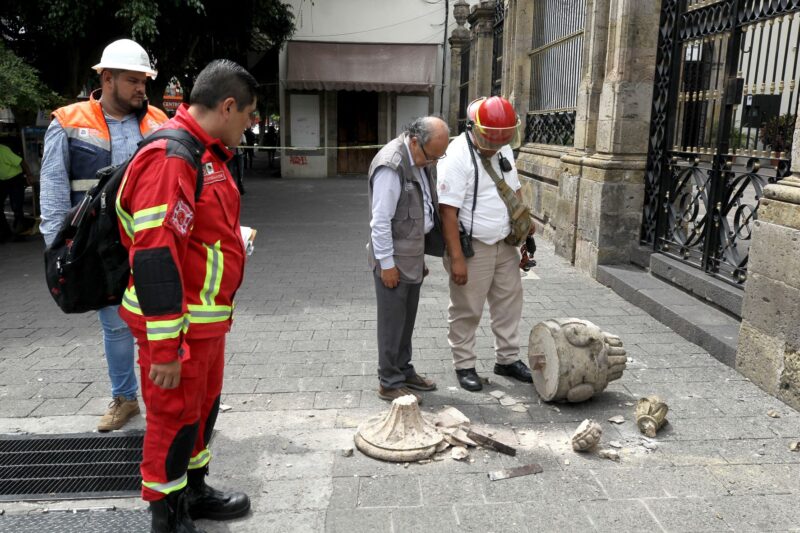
494 122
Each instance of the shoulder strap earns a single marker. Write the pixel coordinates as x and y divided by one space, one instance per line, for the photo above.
190 142
471 149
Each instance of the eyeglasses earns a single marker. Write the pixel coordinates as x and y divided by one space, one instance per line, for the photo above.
431 158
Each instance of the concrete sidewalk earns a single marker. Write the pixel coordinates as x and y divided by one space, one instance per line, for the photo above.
301 376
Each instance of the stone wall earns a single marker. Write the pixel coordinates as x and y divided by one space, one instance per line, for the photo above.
587 197
769 338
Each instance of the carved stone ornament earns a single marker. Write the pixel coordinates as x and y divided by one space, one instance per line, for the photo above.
586 436
572 359
400 435
651 415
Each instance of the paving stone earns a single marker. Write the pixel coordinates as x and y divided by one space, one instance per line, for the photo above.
556 515
661 482
449 489
12 408
686 514
752 480
61 390
438 519
618 516
358 521
758 513
60 406
389 491
492 517
296 494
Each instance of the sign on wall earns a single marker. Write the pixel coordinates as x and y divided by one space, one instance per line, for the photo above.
409 108
304 112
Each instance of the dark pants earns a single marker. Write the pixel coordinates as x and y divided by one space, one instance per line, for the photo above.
397 312
14 188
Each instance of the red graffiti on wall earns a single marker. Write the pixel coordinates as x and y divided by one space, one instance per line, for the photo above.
298 160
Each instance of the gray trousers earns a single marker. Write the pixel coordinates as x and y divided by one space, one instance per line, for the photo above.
397 312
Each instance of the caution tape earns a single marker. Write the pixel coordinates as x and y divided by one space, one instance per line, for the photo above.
314 148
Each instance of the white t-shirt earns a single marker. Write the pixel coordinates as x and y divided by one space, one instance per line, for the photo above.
456 185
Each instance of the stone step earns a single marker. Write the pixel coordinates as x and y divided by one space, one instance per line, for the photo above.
705 325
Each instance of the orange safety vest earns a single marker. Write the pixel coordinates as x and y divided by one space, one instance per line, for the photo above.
90 141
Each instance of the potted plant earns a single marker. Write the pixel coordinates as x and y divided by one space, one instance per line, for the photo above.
777 133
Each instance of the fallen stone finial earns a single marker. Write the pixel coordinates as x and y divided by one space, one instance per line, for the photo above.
573 359
651 415
586 436
400 435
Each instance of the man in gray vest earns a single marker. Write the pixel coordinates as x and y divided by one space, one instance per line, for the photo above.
403 202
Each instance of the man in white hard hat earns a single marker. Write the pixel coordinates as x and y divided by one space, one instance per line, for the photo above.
83 138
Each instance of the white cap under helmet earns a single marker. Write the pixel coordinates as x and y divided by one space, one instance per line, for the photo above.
125 54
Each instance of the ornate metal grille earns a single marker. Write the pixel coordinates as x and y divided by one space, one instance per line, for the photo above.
497 46
463 90
556 59
724 108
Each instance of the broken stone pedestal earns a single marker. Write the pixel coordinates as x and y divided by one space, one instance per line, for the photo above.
572 359
401 435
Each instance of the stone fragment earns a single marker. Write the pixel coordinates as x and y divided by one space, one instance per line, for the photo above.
794 446
224 407
507 401
459 453
461 437
400 435
772 413
573 359
606 453
586 436
497 394
442 446
450 417
615 444
519 408
619 419
651 415
347 452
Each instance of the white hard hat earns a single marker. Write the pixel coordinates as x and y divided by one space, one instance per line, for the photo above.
125 54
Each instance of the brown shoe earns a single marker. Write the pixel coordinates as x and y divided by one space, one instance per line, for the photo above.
420 382
119 412
392 394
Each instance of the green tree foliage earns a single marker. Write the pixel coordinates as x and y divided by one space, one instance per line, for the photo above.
20 86
64 38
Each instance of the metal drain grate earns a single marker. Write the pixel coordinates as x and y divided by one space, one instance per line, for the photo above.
79 466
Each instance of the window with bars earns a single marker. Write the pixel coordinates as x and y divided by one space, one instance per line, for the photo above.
463 90
556 59
497 46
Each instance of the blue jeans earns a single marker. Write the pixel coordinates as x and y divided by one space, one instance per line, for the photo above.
118 342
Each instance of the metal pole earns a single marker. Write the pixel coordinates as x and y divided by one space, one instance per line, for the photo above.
444 55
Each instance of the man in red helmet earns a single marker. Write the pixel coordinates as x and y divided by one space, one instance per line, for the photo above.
477 225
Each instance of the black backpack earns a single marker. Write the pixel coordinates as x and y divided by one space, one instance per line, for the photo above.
86 266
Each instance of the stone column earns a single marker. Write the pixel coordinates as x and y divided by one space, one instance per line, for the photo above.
769 338
459 39
595 45
481 20
612 180
517 37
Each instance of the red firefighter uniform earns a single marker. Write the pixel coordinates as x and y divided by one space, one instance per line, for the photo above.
187 261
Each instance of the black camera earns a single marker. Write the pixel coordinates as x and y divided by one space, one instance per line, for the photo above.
530 245
466 244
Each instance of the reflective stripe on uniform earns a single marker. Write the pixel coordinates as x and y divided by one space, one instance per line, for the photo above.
214 268
207 314
152 217
125 218
200 460
158 330
130 301
168 487
82 185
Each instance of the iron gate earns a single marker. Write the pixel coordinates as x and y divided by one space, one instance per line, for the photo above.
724 106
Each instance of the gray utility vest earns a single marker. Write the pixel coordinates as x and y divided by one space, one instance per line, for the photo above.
408 223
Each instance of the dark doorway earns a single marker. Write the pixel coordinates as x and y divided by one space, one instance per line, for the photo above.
357 126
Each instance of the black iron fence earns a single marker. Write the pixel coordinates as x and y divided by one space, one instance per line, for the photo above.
497 46
724 108
463 89
556 59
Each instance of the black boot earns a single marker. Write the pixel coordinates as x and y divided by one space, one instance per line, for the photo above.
171 516
208 502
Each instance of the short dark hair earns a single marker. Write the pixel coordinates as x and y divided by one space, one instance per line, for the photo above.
221 79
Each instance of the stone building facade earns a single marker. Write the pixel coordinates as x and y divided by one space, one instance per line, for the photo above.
658 129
